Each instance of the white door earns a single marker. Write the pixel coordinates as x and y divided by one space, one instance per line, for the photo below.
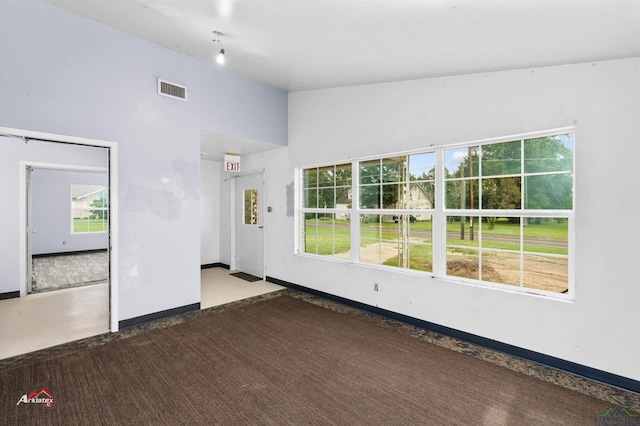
249 238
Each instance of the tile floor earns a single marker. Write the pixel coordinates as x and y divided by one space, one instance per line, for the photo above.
43 320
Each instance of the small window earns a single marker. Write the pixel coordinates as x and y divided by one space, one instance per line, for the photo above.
89 208
251 207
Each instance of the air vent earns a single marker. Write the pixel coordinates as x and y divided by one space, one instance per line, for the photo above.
172 90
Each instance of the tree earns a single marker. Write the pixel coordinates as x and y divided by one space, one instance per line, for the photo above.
103 212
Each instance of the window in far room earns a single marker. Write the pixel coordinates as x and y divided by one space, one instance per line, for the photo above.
89 208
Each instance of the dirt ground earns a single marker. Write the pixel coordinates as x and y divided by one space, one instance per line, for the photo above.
540 272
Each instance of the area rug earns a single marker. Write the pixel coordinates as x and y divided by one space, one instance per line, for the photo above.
69 270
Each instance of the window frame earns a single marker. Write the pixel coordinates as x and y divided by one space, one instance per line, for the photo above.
104 209
440 212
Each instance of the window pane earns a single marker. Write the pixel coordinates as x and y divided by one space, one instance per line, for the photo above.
370 197
89 208
421 195
546 235
394 169
420 228
422 166
326 176
501 193
461 231
251 207
326 198
463 263
343 175
501 267
549 154
310 227
462 194
370 242
342 236
548 273
343 198
501 159
420 257
458 164
554 192
310 178
310 198
327 235
501 233
370 172
392 196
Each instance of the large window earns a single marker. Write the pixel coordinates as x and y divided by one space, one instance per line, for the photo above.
493 213
327 202
89 208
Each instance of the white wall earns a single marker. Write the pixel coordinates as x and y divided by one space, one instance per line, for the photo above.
51 211
66 75
13 151
210 212
601 99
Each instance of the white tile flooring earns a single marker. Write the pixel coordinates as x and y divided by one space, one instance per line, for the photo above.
42 320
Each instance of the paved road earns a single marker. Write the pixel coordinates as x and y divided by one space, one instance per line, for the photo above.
454 235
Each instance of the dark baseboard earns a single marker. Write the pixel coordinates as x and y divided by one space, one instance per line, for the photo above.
539 358
9 295
158 315
215 265
68 253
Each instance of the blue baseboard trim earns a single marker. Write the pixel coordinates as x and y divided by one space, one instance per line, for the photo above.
539 358
215 265
9 295
157 315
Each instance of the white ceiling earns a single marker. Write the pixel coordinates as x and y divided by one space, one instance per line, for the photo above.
308 44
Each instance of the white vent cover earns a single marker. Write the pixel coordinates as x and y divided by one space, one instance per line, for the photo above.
172 90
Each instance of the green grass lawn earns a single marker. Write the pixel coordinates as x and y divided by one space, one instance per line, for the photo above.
336 239
84 225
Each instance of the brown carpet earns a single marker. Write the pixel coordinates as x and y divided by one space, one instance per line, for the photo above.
282 361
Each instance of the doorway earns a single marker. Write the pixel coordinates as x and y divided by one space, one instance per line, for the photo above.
248 222
30 148
67 227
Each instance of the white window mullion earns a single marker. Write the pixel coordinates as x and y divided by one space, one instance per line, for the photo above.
439 225
355 212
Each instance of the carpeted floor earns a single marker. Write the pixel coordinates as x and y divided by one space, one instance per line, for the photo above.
281 360
70 270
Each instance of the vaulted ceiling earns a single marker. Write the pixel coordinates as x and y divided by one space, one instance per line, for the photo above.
307 44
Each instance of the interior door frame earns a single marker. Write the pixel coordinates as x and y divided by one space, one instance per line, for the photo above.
26 194
262 203
113 208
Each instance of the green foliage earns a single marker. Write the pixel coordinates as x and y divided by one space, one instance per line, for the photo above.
103 212
502 166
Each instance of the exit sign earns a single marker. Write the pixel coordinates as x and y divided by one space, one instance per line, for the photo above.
231 163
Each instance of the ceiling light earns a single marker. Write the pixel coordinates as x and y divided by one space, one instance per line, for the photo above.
220 57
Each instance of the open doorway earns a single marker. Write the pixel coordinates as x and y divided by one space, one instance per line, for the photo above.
68 227
76 312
